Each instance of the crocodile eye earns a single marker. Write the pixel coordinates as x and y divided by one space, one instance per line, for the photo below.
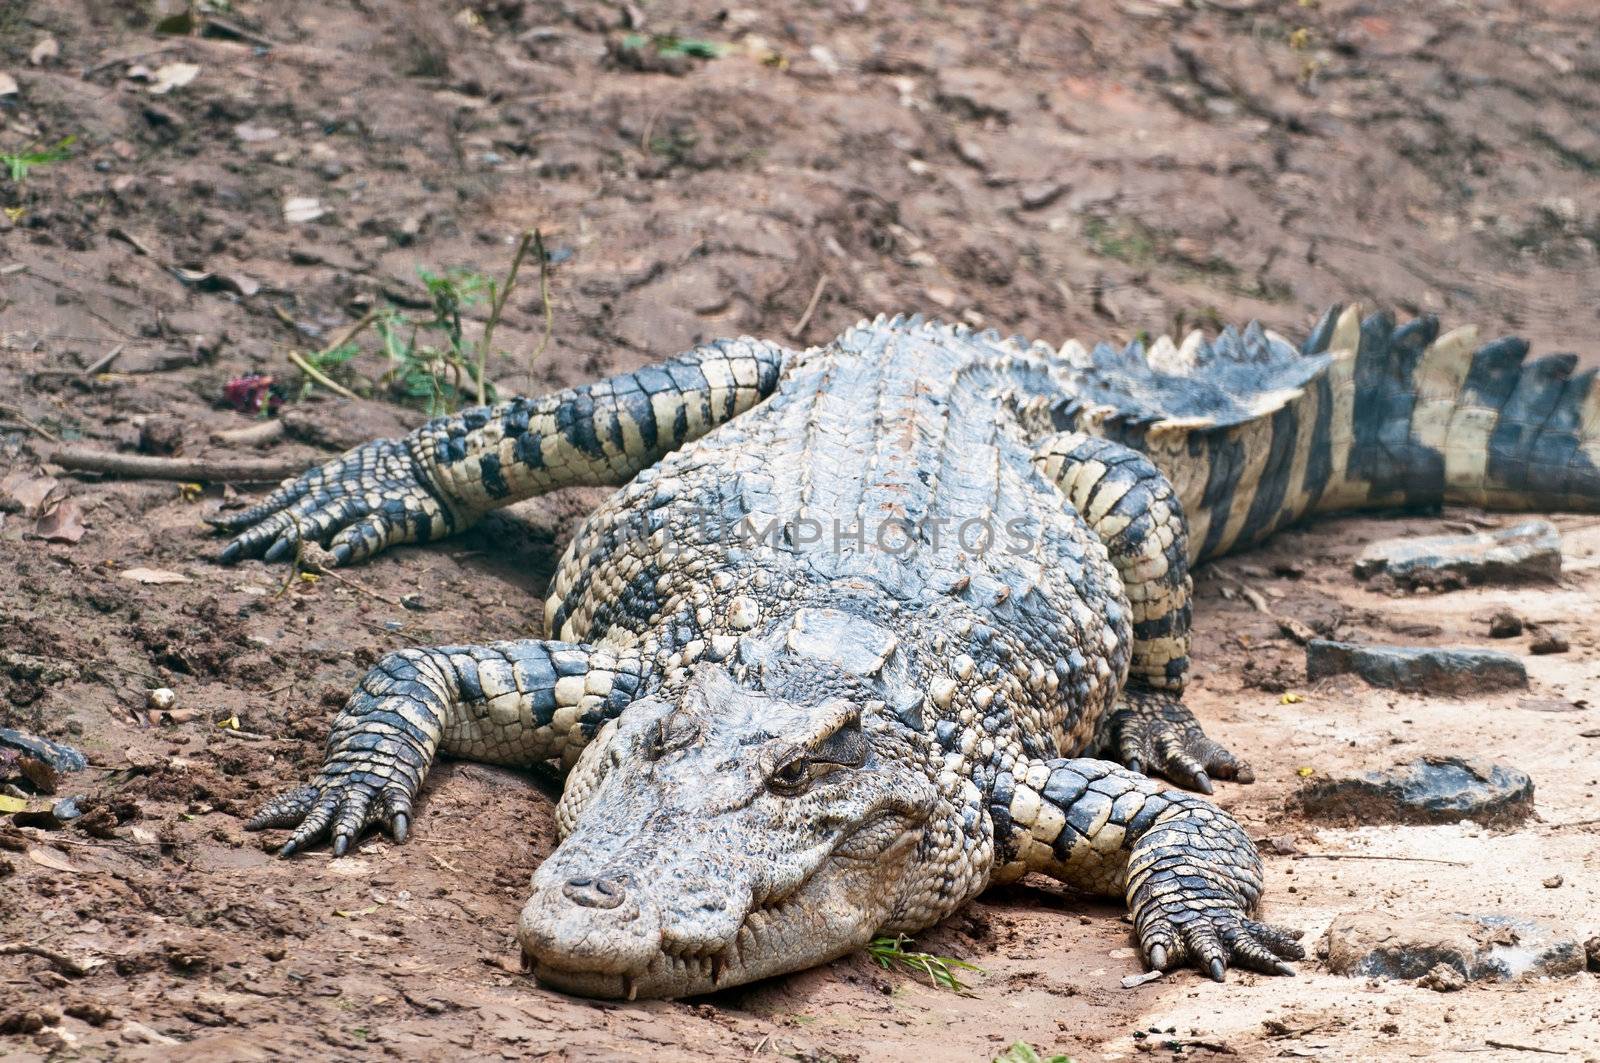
791 778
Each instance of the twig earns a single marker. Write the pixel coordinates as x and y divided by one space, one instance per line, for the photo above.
811 307
317 375
190 470
494 312
649 127
356 328
294 562
66 963
1371 856
1574 823
104 362
253 435
1525 1048
544 299
28 423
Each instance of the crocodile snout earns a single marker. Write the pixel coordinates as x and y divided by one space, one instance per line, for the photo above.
588 923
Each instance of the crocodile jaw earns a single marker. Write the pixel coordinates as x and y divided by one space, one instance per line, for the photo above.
832 914
689 869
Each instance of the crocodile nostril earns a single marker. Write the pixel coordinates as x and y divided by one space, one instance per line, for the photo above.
594 892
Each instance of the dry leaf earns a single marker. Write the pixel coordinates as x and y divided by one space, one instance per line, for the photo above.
63 524
154 575
54 861
32 493
12 804
173 76
47 49
302 209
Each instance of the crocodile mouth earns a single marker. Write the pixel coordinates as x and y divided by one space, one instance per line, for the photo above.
781 933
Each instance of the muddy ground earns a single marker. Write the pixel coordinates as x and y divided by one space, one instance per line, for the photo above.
1097 169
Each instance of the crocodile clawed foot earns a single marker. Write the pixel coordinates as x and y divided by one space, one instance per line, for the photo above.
1212 939
335 807
1155 734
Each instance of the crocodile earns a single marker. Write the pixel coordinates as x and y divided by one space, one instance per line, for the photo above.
872 626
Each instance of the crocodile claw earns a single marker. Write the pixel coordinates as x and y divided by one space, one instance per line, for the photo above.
336 807
1209 933
365 501
1156 734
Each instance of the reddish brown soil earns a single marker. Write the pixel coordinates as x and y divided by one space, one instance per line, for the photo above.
1097 169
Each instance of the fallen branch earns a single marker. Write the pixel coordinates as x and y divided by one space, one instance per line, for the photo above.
188 470
253 435
64 963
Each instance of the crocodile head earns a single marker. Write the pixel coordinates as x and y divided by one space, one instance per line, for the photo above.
725 834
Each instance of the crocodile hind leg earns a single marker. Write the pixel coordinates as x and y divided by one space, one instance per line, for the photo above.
504 703
1188 872
1132 507
445 475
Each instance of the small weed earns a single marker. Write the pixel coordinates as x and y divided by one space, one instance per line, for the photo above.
1124 239
890 954
667 45
1023 1052
18 164
429 359
330 363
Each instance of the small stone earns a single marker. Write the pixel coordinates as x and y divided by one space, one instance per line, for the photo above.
1041 195
1591 952
160 437
1433 789
1422 669
1527 551
160 699
1505 625
1548 640
1478 947
1443 979
1553 882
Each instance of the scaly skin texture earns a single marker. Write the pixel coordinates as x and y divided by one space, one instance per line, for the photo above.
840 651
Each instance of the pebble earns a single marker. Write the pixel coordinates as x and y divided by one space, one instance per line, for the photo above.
1505 625
1547 641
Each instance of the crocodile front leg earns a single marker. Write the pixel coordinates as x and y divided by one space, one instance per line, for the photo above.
1134 510
452 470
1189 873
505 703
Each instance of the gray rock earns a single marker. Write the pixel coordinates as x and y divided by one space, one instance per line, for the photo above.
59 757
1527 551
1484 947
1424 669
1433 789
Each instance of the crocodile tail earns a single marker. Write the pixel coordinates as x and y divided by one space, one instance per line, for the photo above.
1256 433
